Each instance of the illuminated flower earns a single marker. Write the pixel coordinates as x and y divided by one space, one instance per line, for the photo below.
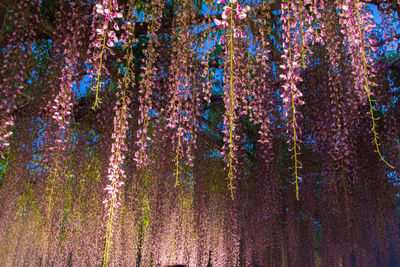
222 24
241 11
226 12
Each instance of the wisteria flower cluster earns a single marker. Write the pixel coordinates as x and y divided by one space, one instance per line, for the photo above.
146 91
292 27
357 24
227 14
229 149
12 85
115 172
109 9
62 109
106 12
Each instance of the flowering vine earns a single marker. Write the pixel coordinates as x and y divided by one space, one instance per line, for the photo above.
106 37
145 111
12 74
116 174
63 103
183 97
291 67
356 27
146 90
228 20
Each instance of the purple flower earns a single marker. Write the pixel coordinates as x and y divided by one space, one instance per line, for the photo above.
222 24
226 12
241 11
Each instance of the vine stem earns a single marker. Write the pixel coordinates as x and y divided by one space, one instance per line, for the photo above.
103 48
177 161
371 109
110 220
52 181
145 121
296 181
231 93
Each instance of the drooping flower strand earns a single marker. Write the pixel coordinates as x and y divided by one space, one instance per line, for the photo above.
356 26
336 122
116 174
148 85
69 38
365 20
305 32
230 109
292 95
319 32
193 122
259 87
145 106
181 110
63 102
175 118
119 146
13 73
106 12
230 100
343 121
207 78
193 106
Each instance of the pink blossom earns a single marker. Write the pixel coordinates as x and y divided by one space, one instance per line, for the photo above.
110 43
241 11
221 24
236 33
99 9
226 12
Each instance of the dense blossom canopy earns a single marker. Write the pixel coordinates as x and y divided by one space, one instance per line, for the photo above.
204 133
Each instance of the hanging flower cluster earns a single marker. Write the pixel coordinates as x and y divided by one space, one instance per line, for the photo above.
240 13
106 37
178 122
12 74
318 32
109 13
291 96
69 37
63 102
7 120
182 109
229 18
357 25
147 87
145 107
116 173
